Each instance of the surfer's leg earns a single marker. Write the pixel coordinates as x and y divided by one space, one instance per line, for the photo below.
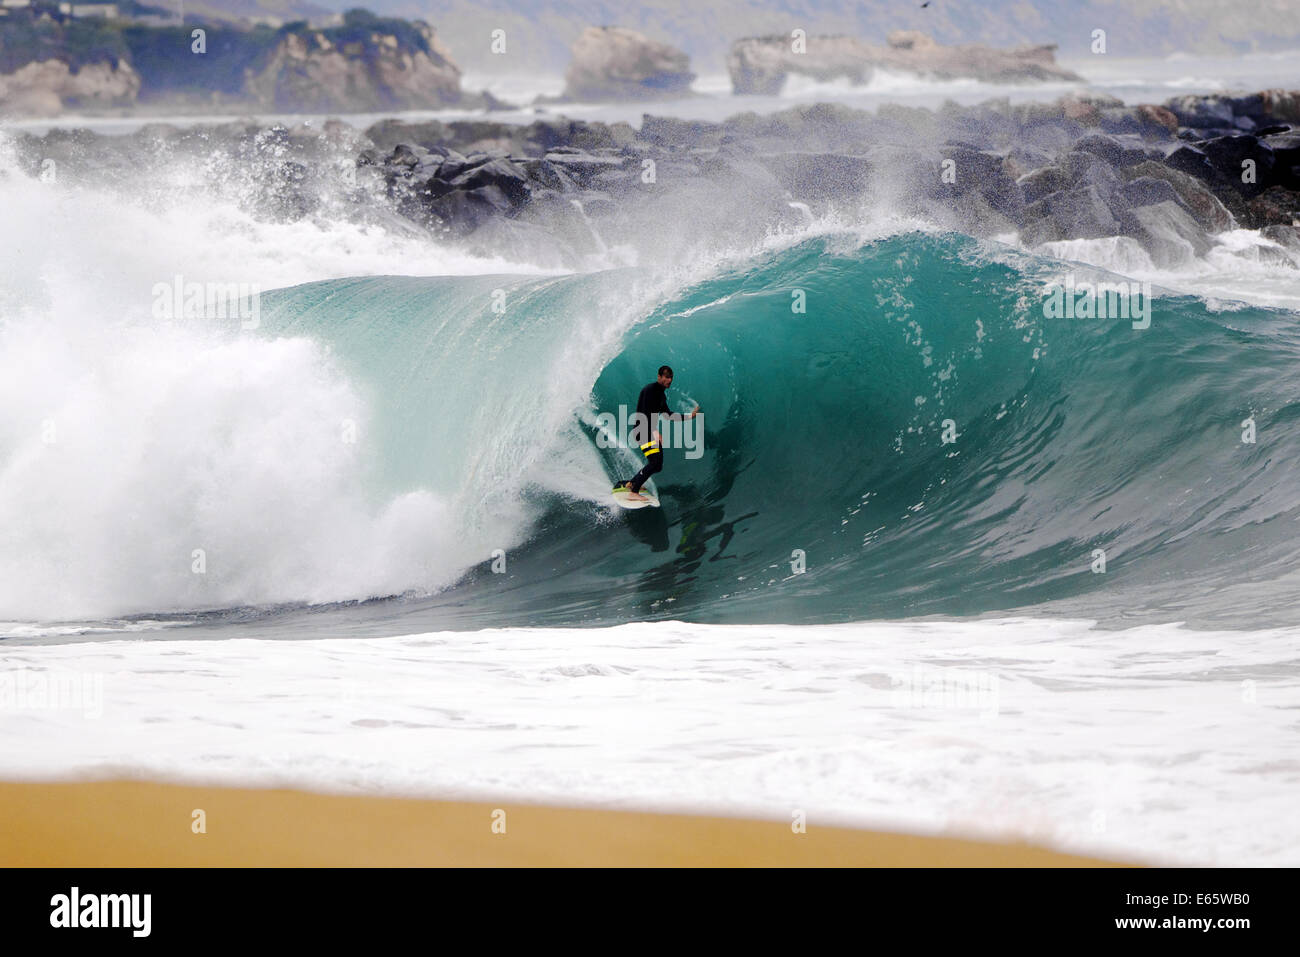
653 463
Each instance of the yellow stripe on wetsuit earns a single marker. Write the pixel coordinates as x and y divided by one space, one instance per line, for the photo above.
649 449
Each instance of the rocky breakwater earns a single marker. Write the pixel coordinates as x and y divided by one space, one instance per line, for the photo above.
1077 168
1138 178
1247 150
761 65
575 186
1154 177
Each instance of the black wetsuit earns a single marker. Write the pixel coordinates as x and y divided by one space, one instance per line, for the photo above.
649 405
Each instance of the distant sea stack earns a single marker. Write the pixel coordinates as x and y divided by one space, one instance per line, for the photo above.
371 69
614 63
760 65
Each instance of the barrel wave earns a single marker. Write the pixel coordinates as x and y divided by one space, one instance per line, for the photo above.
891 429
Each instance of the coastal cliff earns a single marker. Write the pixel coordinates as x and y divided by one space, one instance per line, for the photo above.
49 63
361 70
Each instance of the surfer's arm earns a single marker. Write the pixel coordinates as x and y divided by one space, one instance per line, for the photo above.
681 415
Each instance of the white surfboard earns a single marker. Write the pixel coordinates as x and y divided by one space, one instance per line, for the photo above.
623 497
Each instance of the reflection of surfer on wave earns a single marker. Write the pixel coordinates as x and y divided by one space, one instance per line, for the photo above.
652 403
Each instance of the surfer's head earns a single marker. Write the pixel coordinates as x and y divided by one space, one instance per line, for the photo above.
665 376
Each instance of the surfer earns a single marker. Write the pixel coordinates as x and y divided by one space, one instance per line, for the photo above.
651 404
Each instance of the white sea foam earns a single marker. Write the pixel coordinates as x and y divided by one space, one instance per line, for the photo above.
1242 266
1153 744
160 466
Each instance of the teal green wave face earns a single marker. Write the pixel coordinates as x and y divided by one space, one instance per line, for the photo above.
891 430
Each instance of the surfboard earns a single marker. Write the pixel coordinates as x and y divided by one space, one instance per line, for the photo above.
621 497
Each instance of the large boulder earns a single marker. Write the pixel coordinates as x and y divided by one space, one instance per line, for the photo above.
467 210
1087 169
1070 214
1043 182
1088 109
1288 237
1022 159
1157 119
437 186
1202 112
984 174
1286 150
1283 105
585 168
1268 106
1166 232
614 63
1193 160
548 175
1144 120
819 176
1147 191
1274 206
1232 156
1117 151
498 173
1206 208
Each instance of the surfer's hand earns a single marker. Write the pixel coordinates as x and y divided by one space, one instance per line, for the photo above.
695 411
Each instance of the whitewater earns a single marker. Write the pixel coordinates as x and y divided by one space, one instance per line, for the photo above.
835 611
1154 744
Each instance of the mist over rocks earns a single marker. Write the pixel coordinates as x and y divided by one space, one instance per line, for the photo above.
1083 167
1167 232
559 190
761 65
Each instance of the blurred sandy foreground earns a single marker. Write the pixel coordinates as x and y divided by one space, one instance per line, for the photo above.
148 824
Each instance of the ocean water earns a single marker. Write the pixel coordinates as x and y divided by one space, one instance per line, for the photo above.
367 545
921 439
